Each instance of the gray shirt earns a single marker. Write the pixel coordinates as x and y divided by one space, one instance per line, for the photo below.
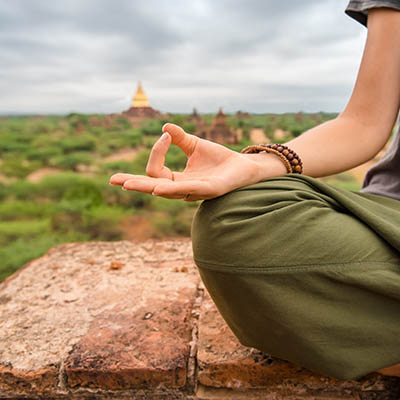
384 177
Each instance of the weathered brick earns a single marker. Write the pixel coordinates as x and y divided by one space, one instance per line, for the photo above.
40 381
142 348
111 328
226 364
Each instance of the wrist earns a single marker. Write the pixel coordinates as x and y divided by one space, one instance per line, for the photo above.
268 165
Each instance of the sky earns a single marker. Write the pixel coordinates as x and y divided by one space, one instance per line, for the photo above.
259 56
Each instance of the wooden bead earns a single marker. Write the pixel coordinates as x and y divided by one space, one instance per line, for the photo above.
289 157
297 168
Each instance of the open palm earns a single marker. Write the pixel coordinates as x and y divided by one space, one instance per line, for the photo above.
211 169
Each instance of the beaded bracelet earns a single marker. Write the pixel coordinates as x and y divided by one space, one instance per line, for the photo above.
291 160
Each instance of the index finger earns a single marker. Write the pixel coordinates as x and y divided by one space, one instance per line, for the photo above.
179 137
155 165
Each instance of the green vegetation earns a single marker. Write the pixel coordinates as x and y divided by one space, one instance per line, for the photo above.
343 180
75 202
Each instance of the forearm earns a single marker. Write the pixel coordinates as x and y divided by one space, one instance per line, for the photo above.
330 148
338 145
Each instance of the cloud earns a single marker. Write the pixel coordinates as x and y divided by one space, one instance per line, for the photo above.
256 55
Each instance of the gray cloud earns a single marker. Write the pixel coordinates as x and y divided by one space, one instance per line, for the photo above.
258 55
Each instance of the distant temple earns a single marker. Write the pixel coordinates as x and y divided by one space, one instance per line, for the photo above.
240 114
195 117
219 131
197 120
140 107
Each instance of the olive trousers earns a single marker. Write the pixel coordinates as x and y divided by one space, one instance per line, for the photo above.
306 272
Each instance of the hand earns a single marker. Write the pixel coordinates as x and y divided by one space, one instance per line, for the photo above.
211 170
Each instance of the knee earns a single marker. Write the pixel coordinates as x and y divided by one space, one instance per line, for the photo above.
213 229
230 228
255 225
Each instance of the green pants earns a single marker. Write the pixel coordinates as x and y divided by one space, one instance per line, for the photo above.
305 271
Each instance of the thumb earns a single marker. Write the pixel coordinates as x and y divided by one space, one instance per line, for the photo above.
182 139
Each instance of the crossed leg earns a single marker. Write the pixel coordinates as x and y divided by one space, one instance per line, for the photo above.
296 274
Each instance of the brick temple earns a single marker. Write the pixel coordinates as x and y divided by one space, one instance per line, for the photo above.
219 131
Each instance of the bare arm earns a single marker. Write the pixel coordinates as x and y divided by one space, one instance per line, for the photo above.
352 138
363 128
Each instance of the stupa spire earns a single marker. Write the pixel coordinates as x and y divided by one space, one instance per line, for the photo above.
140 98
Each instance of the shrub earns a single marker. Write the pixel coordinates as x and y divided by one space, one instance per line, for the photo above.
149 141
151 127
71 161
13 210
177 119
116 142
103 222
43 154
133 137
22 190
122 122
76 118
175 159
97 223
172 225
84 193
77 199
103 149
113 195
70 186
16 253
171 207
12 145
18 167
83 142
3 191
55 186
117 166
140 162
12 230
189 127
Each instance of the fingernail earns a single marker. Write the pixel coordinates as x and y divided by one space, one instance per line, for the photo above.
123 188
153 194
162 129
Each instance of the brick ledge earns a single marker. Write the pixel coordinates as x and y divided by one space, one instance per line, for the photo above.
119 320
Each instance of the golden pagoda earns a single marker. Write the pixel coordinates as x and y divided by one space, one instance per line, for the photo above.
140 98
140 106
